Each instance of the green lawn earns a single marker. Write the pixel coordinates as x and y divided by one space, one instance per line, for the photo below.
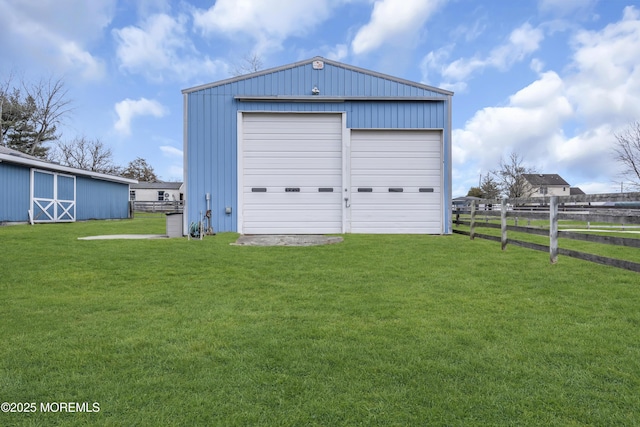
377 330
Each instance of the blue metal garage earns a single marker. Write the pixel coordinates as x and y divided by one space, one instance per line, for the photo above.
39 191
318 147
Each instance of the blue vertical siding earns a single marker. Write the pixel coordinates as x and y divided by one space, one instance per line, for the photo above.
14 192
43 185
94 198
97 199
211 124
66 188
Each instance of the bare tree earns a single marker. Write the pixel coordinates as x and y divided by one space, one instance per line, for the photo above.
52 104
30 114
627 152
509 177
250 64
83 153
141 170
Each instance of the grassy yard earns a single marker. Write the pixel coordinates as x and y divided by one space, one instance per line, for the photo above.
377 330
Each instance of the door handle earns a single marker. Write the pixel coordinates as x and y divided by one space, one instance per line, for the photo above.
346 202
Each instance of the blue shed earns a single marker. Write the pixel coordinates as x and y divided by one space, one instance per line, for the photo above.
318 147
34 190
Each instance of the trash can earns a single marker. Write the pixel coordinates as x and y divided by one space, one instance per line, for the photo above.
174 224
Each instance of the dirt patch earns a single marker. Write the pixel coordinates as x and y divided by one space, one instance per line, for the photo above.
286 240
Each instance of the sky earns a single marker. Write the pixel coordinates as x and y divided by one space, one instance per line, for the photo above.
551 80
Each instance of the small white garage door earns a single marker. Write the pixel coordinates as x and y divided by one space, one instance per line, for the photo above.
396 181
292 173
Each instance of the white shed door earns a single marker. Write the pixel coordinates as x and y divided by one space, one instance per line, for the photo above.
292 173
396 181
53 197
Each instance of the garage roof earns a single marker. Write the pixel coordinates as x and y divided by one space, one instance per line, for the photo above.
16 157
326 61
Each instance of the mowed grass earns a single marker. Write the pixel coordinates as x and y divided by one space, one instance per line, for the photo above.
377 330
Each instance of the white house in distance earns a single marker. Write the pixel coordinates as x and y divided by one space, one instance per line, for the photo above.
547 184
156 192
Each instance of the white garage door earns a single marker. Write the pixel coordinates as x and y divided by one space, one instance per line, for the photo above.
292 173
396 181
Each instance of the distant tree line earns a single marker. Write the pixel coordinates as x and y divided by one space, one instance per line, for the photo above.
30 114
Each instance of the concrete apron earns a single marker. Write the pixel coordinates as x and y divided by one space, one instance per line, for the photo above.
252 240
125 236
286 240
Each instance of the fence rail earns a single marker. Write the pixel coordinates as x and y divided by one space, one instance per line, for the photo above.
619 210
157 206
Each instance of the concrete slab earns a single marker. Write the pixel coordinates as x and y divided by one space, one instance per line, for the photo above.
286 240
125 236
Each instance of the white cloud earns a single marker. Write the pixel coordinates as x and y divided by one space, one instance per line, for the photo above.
267 22
470 32
598 95
160 49
77 20
45 33
530 123
435 60
536 65
391 20
169 151
90 67
128 109
338 53
523 41
605 84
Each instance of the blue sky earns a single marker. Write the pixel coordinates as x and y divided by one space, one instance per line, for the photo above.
552 80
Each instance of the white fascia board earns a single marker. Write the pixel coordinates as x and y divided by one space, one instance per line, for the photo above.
328 61
335 99
41 164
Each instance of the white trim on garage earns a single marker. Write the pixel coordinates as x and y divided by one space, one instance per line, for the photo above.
290 173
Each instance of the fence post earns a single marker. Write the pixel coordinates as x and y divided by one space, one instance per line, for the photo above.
503 224
472 229
553 229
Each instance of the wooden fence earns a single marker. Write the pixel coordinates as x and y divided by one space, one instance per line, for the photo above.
619 211
157 206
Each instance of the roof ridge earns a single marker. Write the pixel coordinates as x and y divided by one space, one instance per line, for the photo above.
309 61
